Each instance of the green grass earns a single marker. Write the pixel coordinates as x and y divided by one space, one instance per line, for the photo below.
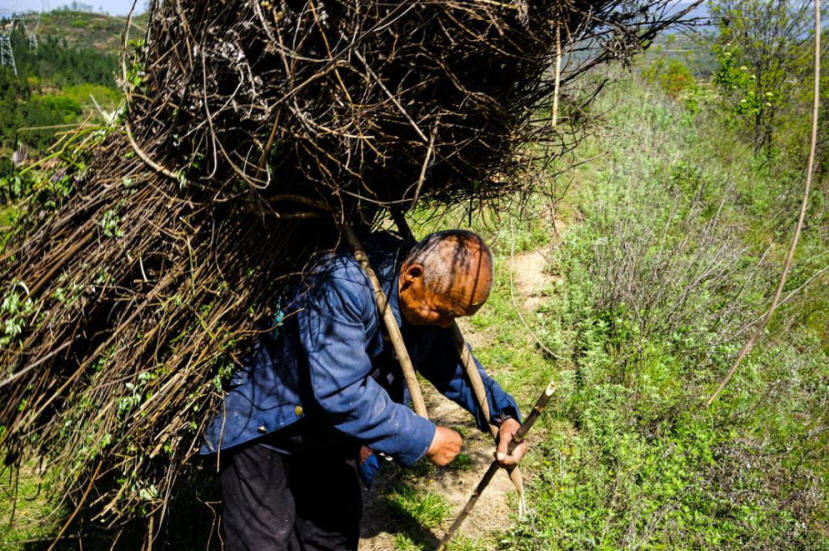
463 543
416 511
424 507
463 462
35 517
95 30
402 542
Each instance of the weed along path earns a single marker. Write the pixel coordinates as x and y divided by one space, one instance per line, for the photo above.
409 509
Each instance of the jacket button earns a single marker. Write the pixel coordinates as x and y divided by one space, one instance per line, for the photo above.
298 410
262 429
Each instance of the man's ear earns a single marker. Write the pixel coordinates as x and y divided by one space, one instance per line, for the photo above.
411 273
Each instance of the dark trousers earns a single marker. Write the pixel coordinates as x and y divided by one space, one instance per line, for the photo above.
307 500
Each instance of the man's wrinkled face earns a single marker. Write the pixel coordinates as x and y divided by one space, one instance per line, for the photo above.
467 291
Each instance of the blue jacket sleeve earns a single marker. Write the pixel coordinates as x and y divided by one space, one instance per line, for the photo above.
333 328
443 368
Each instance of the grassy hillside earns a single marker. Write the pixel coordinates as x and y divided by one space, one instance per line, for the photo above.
89 30
70 77
674 252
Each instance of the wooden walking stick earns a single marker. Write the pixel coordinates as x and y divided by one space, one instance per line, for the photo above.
522 431
391 323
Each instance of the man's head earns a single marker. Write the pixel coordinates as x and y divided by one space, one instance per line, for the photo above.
445 276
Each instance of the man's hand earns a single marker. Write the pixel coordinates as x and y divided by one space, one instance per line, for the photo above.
508 428
445 446
365 453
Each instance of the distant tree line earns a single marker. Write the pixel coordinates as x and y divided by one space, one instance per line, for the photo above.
34 97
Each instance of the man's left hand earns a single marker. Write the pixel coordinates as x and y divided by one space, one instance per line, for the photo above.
365 453
508 428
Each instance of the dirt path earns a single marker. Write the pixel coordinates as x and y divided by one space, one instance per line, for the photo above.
530 278
384 524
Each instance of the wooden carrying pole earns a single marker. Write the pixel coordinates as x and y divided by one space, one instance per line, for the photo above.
391 323
522 431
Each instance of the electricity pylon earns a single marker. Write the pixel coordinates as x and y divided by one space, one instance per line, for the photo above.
6 52
30 26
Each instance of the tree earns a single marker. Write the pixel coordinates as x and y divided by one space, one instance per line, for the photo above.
759 48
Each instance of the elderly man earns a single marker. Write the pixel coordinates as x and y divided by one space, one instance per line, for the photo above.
324 390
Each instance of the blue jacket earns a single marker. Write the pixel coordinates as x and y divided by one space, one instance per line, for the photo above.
330 359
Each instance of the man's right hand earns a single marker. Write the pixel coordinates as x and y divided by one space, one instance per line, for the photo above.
445 446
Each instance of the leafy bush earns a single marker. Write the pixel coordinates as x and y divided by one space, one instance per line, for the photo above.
664 274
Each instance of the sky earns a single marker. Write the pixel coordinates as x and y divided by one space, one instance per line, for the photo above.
122 7
113 7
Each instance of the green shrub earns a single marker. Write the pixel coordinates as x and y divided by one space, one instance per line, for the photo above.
663 277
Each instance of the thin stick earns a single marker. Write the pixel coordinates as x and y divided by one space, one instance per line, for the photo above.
402 226
12 378
424 167
519 436
790 256
150 534
391 323
558 75
146 158
267 149
50 127
123 54
472 371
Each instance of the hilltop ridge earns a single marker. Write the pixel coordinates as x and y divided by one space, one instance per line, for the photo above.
99 31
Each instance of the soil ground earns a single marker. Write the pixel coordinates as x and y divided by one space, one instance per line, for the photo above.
530 277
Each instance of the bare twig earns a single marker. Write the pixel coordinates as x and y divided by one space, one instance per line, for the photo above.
517 439
77 507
